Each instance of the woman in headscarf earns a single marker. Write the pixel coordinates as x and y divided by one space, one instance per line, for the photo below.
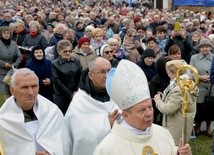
107 52
42 68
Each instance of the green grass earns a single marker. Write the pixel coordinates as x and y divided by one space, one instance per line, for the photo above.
1 100
201 145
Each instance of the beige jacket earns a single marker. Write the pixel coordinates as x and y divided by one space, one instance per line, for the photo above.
171 108
82 58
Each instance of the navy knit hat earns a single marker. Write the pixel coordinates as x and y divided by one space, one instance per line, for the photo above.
148 53
103 21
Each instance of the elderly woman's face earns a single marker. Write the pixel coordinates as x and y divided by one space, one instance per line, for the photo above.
195 37
61 30
6 34
108 53
65 54
88 33
85 47
39 54
205 49
33 28
114 47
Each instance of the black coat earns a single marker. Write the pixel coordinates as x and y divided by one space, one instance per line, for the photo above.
66 76
158 84
150 71
19 38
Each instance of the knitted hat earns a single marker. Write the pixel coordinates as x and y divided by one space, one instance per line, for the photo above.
50 24
148 53
205 42
127 85
83 40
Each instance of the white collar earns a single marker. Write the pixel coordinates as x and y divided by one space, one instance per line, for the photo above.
125 125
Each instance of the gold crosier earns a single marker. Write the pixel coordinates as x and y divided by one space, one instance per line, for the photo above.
1 149
186 85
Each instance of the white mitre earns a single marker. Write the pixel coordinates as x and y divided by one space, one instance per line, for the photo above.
127 84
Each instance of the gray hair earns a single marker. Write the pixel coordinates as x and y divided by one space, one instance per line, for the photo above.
62 44
92 64
22 71
35 23
20 23
58 26
112 41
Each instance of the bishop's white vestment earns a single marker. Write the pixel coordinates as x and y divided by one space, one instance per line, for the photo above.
124 142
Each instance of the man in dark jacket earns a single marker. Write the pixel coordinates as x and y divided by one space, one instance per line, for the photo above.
184 41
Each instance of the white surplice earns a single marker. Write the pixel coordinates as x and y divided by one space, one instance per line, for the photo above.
88 122
51 134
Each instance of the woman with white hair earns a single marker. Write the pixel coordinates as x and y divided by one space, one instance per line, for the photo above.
58 35
34 37
88 31
119 53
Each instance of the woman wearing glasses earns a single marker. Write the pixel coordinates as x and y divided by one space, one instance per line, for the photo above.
107 52
66 71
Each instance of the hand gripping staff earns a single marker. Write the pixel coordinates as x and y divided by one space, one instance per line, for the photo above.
186 85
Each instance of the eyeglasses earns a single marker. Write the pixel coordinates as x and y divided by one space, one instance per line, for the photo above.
107 52
67 51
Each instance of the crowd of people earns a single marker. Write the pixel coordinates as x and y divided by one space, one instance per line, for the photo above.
96 77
